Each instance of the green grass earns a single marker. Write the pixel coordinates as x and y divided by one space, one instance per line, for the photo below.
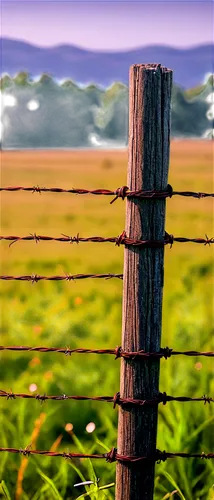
88 314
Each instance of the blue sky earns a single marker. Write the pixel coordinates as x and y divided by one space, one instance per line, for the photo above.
109 25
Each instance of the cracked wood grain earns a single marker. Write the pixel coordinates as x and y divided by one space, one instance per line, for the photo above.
149 138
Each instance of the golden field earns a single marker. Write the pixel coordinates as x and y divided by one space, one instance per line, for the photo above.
88 313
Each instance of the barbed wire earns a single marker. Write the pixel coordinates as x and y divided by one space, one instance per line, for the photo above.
34 278
111 456
121 192
122 239
118 352
162 397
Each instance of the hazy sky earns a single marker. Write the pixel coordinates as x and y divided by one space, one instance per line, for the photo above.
103 25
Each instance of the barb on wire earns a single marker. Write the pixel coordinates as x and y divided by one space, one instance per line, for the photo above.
121 192
122 239
111 456
34 278
116 399
165 352
164 398
170 239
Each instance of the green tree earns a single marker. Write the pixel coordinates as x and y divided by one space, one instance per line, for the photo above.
5 79
91 104
8 109
46 80
207 96
185 117
201 99
23 79
69 122
113 117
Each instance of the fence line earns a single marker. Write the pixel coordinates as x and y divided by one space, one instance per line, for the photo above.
111 456
121 192
150 91
165 352
116 399
122 239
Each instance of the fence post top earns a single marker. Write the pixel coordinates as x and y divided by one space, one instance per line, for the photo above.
150 66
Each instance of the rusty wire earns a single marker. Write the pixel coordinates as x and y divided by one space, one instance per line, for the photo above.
162 397
121 192
118 352
111 456
122 239
34 278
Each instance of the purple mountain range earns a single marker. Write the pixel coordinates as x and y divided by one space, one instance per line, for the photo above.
68 61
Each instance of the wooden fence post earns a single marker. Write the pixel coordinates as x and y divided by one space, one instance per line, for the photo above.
149 138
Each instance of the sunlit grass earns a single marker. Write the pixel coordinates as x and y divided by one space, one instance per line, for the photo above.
88 314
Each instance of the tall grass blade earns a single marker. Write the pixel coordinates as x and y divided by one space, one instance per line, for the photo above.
92 475
51 484
5 491
92 492
174 484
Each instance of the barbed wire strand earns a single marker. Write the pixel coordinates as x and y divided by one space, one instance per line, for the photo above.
111 456
165 352
121 192
122 239
162 397
34 278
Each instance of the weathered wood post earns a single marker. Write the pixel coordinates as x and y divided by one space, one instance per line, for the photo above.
149 138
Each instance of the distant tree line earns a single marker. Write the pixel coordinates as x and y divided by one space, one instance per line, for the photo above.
46 114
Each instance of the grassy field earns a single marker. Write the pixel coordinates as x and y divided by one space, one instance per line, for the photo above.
88 314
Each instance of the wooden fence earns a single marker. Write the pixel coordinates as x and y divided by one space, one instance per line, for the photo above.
144 240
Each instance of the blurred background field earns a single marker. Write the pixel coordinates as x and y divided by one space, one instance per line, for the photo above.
88 314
